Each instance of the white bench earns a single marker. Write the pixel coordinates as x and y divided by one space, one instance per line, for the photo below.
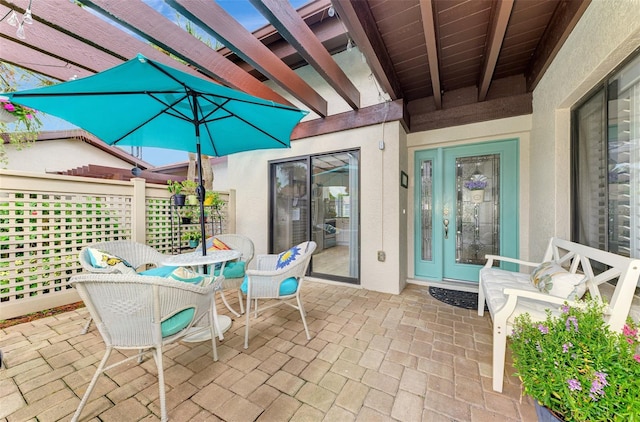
508 294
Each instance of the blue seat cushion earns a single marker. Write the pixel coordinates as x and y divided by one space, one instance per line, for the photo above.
287 287
232 270
180 320
177 322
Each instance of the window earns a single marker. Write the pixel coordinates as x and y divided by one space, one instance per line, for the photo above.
606 165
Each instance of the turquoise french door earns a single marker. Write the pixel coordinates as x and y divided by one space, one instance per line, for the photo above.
466 206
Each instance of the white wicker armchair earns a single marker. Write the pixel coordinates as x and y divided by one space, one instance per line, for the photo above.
267 282
139 255
139 312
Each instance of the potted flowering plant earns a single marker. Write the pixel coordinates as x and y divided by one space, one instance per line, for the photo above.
575 367
26 121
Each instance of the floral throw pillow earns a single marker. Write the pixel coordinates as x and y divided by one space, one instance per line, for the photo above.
551 278
101 259
287 257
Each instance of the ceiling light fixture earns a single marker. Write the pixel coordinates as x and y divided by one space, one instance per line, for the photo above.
14 21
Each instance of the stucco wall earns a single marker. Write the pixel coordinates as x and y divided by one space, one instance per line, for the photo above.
379 196
608 32
59 155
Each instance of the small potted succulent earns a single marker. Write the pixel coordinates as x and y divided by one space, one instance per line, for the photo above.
175 188
192 236
576 368
189 188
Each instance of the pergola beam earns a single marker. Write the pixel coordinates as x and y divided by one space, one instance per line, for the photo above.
497 30
216 21
150 24
429 26
363 29
293 29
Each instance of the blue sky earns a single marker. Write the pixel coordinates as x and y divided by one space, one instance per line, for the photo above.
241 10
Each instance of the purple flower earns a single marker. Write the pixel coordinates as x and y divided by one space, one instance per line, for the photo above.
597 386
543 329
566 347
475 184
572 321
565 309
574 385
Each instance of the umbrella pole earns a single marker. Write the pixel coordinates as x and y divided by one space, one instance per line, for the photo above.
200 192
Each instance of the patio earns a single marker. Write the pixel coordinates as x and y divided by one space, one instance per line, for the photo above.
373 357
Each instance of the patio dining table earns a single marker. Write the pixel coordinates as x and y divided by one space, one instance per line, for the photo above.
201 262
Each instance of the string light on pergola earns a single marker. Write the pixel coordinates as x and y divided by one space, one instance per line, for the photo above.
15 21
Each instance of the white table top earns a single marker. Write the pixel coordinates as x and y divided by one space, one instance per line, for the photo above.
196 258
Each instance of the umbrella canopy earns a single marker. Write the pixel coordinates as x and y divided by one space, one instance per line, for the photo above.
148 104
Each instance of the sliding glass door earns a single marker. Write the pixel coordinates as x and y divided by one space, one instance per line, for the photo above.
317 198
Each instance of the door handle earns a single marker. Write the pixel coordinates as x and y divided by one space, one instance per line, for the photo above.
446 228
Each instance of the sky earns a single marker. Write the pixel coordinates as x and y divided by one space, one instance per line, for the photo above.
241 10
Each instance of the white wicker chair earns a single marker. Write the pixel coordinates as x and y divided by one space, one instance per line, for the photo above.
245 246
129 311
265 281
139 255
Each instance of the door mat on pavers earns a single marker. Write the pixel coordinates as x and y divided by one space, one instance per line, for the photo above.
466 300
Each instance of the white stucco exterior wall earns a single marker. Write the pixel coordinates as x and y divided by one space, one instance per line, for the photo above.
379 196
59 155
607 33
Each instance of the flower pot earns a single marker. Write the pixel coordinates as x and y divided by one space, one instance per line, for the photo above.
477 196
7 117
545 414
178 200
186 220
193 243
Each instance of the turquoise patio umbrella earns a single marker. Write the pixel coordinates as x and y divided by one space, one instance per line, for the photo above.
145 103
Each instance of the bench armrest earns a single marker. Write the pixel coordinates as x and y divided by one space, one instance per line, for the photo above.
491 258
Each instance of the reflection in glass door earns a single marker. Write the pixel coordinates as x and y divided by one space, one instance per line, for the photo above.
290 205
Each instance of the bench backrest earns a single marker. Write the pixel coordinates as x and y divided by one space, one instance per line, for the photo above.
619 270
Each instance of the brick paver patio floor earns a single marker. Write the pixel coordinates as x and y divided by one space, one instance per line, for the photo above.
372 357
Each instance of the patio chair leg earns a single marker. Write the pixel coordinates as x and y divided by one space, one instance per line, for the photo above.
246 327
304 320
92 384
215 320
224 300
214 346
157 356
85 330
240 298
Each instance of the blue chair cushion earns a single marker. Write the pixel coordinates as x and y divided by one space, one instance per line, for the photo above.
232 270
287 287
177 322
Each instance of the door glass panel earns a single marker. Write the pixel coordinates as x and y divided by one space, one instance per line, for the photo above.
335 214
477 210
291 208
426 208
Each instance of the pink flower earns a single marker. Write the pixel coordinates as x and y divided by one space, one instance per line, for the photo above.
9 107
637 358
28 116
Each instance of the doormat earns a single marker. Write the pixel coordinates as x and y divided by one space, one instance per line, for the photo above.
465 300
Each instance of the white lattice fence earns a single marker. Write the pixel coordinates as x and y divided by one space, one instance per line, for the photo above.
46 219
